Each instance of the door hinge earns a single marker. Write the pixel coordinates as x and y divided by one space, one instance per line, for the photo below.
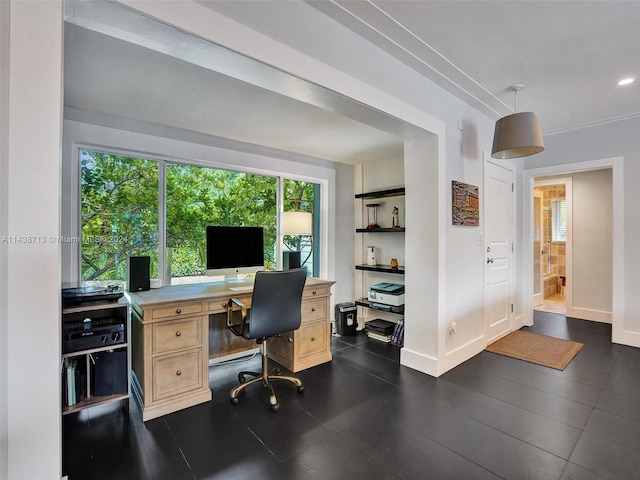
512 188
511 247
512 308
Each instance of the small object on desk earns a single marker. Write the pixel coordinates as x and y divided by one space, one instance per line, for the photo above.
394 220
394 263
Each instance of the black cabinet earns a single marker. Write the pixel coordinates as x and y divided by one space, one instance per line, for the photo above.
96 361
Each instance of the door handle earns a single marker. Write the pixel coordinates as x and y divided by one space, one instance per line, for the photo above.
489 260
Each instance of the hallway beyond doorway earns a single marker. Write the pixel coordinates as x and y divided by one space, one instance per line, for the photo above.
555 303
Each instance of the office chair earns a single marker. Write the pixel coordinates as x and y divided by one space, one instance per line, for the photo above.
275 309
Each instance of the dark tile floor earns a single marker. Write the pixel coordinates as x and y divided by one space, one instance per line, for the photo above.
363 416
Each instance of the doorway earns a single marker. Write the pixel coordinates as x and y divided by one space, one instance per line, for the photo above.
594 258
552 231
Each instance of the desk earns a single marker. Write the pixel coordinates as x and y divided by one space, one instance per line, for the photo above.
176 329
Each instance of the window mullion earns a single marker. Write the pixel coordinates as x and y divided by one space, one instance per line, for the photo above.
279 236
162 222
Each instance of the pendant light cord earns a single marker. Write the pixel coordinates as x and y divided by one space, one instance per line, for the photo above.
516 89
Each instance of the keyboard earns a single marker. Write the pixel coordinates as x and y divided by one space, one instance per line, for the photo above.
246 288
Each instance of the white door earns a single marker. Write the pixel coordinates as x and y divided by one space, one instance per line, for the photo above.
499 227
538 248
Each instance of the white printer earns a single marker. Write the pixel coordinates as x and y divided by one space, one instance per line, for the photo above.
387 294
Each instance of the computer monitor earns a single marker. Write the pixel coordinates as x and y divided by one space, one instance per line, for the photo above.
233 251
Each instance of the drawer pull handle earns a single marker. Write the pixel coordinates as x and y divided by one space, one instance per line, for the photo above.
178 373
224 305
178 311
313 309
290 339
313 339
313 293
178 333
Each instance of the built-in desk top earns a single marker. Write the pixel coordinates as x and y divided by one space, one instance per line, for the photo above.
200 292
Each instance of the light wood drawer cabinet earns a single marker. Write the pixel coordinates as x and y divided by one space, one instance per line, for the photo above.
312 339
178 373
171 358
313 310
172 328
310 345
170 336
221 306
178 310
315 292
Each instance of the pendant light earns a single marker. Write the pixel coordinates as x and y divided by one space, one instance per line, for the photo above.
517 135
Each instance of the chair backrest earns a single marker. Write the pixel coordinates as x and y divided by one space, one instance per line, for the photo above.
276 302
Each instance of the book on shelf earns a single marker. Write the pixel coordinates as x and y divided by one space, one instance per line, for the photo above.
74 382
397 337
379 337
71 382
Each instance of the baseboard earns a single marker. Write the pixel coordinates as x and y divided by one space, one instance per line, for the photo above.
521 321
461 354
589 314
625 337
419 362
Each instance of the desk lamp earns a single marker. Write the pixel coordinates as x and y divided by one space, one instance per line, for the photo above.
296 223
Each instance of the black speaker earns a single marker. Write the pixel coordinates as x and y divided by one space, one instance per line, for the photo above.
139 273
290 260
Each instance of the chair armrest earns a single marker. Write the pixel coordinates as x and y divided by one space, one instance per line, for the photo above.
237 329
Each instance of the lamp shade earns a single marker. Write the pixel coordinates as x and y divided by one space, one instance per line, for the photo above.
297 223
517 135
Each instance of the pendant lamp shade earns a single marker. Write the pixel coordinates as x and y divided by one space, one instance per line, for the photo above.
517 135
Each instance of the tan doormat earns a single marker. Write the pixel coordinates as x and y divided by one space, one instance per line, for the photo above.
535 348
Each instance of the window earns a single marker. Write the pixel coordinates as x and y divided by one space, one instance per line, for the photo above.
303 197
160 208
201 196
559 220
119 214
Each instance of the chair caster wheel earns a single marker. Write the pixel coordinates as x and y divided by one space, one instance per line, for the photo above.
275 407
301 389
234 400
241 378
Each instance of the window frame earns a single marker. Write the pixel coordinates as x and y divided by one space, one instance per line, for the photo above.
320 221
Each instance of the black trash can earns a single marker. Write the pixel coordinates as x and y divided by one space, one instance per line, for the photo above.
346 318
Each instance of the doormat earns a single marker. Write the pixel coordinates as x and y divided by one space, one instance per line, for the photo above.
535 348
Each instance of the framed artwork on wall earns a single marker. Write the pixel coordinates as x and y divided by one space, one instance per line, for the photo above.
465 204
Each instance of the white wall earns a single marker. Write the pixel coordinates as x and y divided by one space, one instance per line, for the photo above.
4 220
592 235
30 269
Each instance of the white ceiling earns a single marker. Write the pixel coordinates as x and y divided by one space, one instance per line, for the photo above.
568 55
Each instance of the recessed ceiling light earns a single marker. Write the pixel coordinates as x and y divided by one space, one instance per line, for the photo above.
626 81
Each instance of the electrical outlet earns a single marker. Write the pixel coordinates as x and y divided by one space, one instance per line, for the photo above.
452 328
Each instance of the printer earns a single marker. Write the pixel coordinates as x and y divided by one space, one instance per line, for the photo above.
387 294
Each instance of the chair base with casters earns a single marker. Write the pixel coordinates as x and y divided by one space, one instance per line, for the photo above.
266 377
275 310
